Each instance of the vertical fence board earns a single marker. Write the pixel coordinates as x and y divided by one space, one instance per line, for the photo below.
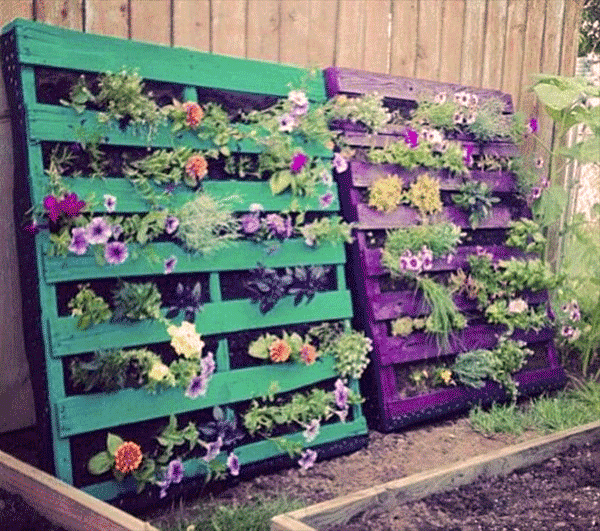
570 36
533 52
293 32
263 30
191 24
107 17
404 38
151 21
451 41
321 37
472 52
516 16
350 41
377 37
68 13
495 41
228 26
429 34
15 8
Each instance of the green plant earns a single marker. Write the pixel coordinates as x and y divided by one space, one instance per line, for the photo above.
206 224
367 109
290 346
386 193
137 301
424 194
89 308
589 31
186 299
517 314
404 326
327 229
526 234
475 198
500 418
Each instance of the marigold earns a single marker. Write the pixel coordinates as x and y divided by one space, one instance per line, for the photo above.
128 457
194 114
196 167
308 354
279 351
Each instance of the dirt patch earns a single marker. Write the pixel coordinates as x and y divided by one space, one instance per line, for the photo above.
560 493
17 515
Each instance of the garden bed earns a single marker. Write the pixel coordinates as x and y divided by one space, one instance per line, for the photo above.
330 515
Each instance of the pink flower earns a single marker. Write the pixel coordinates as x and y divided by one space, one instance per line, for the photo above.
79 241
326 199
299 160
286 123
170 264
533 125
71 205
233 464
51 204
307 459
115 253
98 231
339 163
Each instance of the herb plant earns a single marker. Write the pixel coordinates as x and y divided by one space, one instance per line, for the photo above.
89 308
186 299
526 234
476 199
326 229
386 193
137 301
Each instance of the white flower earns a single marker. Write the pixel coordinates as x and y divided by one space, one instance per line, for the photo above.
256 207
110 202
517 306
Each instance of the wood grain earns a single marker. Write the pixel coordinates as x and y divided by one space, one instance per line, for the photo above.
293 32
514 49
151 21
377 36
228 27
429 33
15 8
191 24
67 13
494 42
321 37
263 29
350 33
107 17
534 34
404 38
473 39
453 23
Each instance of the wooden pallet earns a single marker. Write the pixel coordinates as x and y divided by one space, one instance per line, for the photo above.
30 48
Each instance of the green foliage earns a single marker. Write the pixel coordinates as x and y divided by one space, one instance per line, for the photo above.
424 194
207 225
526 234
260 348
351 352
385 193
327 229
404 326
367 109
528 318
589 29
89 308
171 436
143 228
473 367
475 197
137 301
490 122
499 418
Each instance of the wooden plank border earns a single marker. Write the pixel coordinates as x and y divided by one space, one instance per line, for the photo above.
498 463
62 504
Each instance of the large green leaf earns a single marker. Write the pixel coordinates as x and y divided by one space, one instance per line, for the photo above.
112 443
556 98
585 152
551 205
100 463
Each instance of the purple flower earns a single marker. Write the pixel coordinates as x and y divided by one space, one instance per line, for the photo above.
326 199
312 430
326 178
213 449
298 162
341 394
171 224
250 223
98 231
197 387
115 252
427 263
79 241
533 125
535 193
51 204
567 331
411 137
208 365
33 227
575 314
339 163
286 123
307 459
110 202
71 205
414 263
170 264
233 464
164 485
403 262
539 162
175 471
279 226
468 154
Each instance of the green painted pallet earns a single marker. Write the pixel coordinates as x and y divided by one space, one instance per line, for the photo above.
31 50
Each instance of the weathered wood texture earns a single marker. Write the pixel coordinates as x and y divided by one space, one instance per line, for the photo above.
417 486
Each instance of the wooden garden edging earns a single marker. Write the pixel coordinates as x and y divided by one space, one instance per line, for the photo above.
417 486
61 503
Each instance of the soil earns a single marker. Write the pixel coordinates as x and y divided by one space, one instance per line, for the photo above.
16 515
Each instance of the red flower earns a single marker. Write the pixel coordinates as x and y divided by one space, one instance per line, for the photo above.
279 351
308 354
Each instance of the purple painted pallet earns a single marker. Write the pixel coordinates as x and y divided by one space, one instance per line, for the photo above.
376 307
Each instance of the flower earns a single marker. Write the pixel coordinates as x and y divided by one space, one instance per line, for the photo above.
311 430
194 114
51 204
308 354
533 125
446 375
567 331
411 137
98 231
197 387
298 98
208 365
279 226
117 230
110 202
250 223
340 394
471 117
233 464
326 199
185 340
307 459
158 371
298 162
196 167
327 178
128 457
175 471
517 306
286 123
279 351
171 224
115 253
468 154
213 449
79 241
170 264
535 193
339 163
440 98
539 162
458 118
575 314
256 207
474 100
71 205
462 98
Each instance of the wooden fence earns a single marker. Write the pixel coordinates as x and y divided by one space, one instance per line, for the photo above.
488 43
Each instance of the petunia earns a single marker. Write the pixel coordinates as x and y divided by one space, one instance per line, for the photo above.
287 123
311 430
276 225
535 193
307 459
171 224
539 162
326 199
213 449
233 464
71 205
340 394
339 163
411 137
440 98
51 204
98 231
250 223
575 314
79 242
110 202
468 154
298 98
175 471
115 252
567 331
474 100
458 118
197 387
533 125
170 264
208 365
299 160
327 178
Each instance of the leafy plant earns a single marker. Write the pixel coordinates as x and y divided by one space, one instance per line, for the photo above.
89 308
186 299
526 234
424 194
475 198
224 426
516 314
404 326
386 193
290 346
137 301
327 229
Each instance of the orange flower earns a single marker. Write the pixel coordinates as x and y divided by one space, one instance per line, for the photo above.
196 167
128 457
194 114
279 351
308 354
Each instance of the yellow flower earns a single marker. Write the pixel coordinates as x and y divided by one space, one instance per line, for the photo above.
446 376
158 372
185 340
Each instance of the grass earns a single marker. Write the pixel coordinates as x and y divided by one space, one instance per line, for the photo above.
254 516
545 414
